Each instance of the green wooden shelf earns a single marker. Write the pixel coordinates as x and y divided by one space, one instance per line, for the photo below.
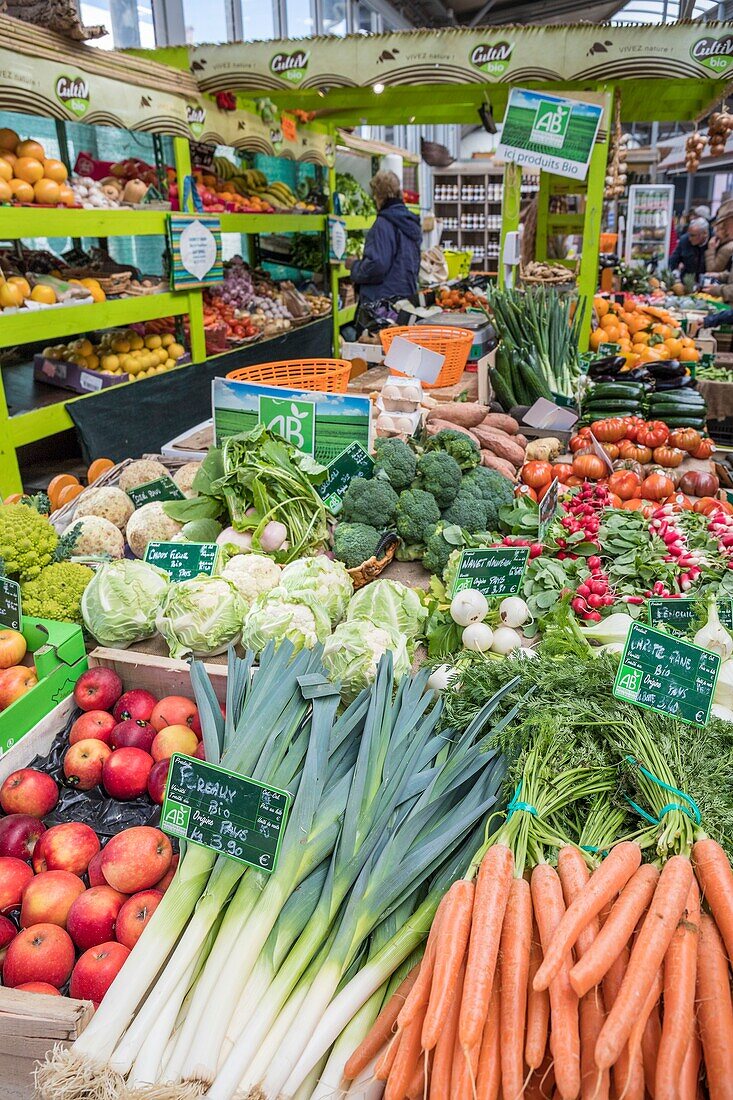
273 223
347 314
30 326
567 220
25 221
355 222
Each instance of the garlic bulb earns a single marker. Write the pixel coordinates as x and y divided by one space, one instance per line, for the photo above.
714 636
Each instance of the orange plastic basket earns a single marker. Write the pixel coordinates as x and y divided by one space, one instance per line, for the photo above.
454 343
326 375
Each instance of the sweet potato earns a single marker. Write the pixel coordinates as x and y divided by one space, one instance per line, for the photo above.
464 414
501 444
432 427
501 421
520 439
488 458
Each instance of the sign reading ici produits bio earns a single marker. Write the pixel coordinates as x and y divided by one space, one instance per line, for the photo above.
549 132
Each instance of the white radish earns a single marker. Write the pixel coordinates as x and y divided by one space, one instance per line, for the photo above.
469 606
478 637
441 677
514 612
505 640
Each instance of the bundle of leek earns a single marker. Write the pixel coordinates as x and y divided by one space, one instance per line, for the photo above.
259 976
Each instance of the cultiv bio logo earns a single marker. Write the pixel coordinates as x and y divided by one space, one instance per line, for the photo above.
73 92
492 59
195 116
290 66
714 53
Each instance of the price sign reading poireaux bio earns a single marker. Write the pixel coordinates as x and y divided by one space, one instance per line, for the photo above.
163 488
496 571
661 672
679 614
10 611
353 462
183 560
227 813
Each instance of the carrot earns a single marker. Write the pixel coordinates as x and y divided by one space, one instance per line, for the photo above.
493 885
381 1030
538 1008
715 1010
406 1061
419 995
716 883
650 1041
516 941
549 909
386 1059
542 1082
612 875
642 1017
690 1076
440 1077
628 1072
628 907
488 1076
463 1072
574 878
450 947
416 1088
680 968
647 955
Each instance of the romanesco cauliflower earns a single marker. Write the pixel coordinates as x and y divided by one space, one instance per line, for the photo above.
27 541
56 592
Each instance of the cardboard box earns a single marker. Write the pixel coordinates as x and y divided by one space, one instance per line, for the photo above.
70 376
57 650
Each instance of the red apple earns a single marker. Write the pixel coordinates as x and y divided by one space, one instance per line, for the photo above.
48 898
135 914
97 689
167 878
94 723
157 780
39 987
125 773
96 970
66 847
136 859
14 682
174 739
200 753
195 721
8 932
19 835
12 648
28 791
94 871
14 877
93 916
83 763
43 953
174 710
132 733
137 704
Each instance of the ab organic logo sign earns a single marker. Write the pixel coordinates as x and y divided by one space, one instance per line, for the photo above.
290 66
73 92
293 420
195 116
492 59
714 53
550 124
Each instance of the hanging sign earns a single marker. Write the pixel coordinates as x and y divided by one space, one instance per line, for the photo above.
163 488
195 241
320 424
183 560
679 614
547 509
660 672
10 611
549 132
352 462
225 812
496 571
336 240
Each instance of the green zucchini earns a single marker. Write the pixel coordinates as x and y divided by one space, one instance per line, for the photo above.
670 397
616 389
685 422
611 408
661 412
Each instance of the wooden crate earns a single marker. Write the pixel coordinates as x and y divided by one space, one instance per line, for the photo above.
31 1023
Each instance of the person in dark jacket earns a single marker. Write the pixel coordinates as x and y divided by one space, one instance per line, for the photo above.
689 255
391 261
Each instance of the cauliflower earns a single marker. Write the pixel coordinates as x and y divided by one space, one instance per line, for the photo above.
95 535
56 592
27 541
184 478
141 472
251 575
109 502
280 614
147 524
352 654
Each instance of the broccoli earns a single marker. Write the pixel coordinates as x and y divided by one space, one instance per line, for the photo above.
27 541
354 543
468 510
437 550
459 446
439 474
56 592
417 514
395 461
494 489
372 502
40 501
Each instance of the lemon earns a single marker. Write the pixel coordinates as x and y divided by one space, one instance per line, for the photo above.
168 339
176 351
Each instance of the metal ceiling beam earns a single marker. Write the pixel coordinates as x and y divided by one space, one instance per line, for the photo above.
481 13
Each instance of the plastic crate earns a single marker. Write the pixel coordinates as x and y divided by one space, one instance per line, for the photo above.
323 375
454 343
721 431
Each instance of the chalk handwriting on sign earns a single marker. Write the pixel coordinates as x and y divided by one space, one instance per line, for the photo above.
495 571
659 671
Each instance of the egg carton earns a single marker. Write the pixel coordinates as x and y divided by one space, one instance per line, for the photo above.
400 395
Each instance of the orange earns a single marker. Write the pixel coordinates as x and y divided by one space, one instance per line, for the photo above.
6 170
9 157
69 492
45 294
674 347
13 498
5 193
66 195
98 467
609 321
22 284
8 139
649 355
55 170
21 190
56 484
641 337
28 169
30 148
10 296
596 338
46 192
600 305
688 355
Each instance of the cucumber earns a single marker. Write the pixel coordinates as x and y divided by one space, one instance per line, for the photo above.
685 422
616 389
662 411
602 409
504 393
534 384
672 397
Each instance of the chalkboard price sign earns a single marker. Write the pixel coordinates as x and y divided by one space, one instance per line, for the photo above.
10 612
163 488
496 571
679 615
183 560
548 508
353 462
661 672
225 812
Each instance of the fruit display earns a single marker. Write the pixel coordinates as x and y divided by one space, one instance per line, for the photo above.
459 299
29 177
643 332
251 184
15 678
121 352
40 291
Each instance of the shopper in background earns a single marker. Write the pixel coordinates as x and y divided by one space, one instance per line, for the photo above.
391 260
719 252
704 212
689 254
